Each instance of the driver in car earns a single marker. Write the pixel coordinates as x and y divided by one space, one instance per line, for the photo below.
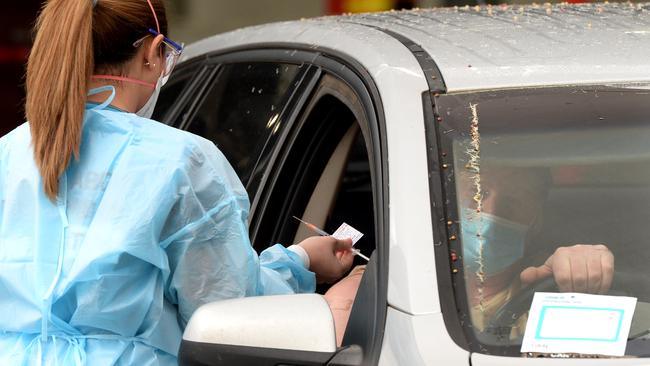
496 225
501 212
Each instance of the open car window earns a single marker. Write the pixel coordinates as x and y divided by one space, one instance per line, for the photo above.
325 173
531 171
325 178
343 193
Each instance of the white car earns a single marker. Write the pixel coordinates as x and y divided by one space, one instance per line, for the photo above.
407 125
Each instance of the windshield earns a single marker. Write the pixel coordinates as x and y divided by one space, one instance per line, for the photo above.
537 181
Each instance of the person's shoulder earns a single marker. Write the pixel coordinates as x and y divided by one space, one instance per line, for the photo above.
159 131
21 131
182 149
16 148
20 135
198 151
206 155
174 139
200 148
149 134
207 150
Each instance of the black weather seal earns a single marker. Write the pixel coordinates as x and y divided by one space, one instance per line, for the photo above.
442 228
427 63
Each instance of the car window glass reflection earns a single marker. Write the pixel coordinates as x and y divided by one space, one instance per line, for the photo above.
242 111
540 206
171 93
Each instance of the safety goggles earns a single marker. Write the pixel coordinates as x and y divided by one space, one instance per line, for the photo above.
173 51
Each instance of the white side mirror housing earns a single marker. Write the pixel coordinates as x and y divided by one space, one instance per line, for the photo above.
291 322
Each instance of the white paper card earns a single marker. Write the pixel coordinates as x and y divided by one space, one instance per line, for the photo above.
578 323
346 231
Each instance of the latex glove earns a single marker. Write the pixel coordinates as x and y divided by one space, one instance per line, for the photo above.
580 268
329 258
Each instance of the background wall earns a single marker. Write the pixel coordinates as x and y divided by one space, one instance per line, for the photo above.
15 39
195 19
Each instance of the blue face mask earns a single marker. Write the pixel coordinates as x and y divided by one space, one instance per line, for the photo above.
503 242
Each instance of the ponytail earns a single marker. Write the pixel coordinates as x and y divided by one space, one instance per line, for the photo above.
58 74
73 39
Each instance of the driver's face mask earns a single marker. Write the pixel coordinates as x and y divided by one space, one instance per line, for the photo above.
502 242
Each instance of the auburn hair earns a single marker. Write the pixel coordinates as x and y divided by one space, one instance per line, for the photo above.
75 39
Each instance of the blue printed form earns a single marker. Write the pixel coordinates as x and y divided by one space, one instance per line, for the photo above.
578 323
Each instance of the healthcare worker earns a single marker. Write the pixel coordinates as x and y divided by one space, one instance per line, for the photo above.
115 228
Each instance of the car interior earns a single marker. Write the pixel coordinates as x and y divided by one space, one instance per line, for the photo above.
325 179
343 193
593 196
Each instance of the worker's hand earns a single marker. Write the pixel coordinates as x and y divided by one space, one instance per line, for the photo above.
329 258
579 268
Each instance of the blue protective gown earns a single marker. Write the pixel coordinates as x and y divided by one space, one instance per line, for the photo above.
150 223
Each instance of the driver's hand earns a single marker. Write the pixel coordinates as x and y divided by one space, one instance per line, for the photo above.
579 268
329 258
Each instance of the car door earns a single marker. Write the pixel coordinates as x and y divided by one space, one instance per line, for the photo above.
303 131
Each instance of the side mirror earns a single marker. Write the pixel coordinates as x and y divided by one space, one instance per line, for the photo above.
266 330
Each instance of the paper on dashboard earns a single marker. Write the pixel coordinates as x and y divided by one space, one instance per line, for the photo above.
578 323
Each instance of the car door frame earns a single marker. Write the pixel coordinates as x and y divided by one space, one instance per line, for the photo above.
360 81
190 93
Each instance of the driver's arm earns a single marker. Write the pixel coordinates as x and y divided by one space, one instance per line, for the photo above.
582 268
340 298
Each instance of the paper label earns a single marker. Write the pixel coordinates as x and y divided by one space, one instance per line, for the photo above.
578 323
346 231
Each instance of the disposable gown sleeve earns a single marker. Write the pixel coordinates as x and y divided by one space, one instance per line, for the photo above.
210 254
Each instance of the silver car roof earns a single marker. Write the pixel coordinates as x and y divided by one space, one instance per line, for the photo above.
489 47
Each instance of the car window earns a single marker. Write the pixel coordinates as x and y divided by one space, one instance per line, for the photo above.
172 91
242 111
353 203
343 193
529 172
309 185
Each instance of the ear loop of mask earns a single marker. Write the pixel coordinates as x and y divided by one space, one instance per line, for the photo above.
103 89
